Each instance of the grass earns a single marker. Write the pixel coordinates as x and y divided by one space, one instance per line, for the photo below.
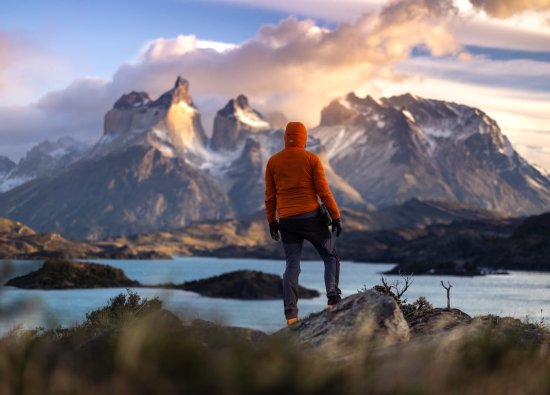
134 346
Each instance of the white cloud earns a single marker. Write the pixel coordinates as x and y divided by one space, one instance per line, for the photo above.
508 8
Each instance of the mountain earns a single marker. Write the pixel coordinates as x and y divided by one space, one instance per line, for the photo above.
244 138
154 169
403 147
6 165
141 176
43 160
171 124
235 122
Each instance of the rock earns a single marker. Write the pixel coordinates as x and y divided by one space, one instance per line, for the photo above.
429 321
353 323
244 284
60 274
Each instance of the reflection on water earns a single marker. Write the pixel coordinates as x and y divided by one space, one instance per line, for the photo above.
520 294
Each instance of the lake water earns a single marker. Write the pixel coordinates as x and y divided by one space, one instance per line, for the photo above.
520 294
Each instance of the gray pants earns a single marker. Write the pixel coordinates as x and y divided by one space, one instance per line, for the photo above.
294 230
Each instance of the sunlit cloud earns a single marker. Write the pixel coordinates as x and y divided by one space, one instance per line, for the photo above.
295 66
508 8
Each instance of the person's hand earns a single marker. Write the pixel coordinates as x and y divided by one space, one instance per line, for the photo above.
274 230
337 226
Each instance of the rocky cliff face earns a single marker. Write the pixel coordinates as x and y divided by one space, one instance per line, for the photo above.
172 124
234 123
405 147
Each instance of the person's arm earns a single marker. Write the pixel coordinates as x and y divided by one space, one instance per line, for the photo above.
323 190
270 194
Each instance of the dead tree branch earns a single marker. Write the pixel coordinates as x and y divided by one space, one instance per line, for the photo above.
448 288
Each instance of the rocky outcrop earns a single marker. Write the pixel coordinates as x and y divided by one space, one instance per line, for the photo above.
362 320
171 123
59 274
244 284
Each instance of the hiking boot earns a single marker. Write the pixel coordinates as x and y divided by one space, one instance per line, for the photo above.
291 321
332 301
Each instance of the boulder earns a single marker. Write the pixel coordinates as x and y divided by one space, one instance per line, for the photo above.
358 321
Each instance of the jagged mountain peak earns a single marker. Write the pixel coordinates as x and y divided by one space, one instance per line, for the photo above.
132 100
181 82
242 101
179 94
171 123
403 100
235 122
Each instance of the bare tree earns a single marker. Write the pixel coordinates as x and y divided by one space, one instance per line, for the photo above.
448 288
398 288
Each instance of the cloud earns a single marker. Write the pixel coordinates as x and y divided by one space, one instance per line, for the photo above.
474 30
508 8
25 69
295 66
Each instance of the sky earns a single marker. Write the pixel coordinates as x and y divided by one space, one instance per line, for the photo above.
64 63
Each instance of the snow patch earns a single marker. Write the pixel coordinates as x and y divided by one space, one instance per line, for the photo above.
438 133
251 119
10 183
381 124
58 153
161 134
106 139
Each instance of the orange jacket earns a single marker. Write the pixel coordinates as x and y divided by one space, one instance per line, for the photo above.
295 177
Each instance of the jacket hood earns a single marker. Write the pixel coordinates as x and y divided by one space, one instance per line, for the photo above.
295 135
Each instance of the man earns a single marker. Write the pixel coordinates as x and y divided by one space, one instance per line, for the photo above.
294 182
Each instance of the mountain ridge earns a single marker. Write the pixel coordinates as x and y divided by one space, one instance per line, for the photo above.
154 169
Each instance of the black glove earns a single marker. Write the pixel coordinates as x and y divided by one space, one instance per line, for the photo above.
274 230
337 226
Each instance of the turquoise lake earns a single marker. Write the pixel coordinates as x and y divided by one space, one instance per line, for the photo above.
524 295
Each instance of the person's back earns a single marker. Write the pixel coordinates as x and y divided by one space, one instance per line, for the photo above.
295 179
